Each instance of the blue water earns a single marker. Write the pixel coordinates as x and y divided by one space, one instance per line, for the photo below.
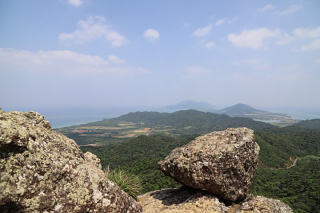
64 121
63 117
304 115
59 117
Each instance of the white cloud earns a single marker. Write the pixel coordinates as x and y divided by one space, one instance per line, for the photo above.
287 11
115 59
93 28
201 32
285 39
62 61
151 34
209 44
267 7
195 71
76 3
307 33
290 10
220 22
304 39
307 38
224 21
314 45
317 61
115 38
254 39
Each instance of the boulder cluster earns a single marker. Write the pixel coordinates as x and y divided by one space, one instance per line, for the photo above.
217 171
44 171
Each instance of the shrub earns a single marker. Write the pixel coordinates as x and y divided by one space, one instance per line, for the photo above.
129 183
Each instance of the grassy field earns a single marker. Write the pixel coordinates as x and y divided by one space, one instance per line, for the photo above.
95 135
131 125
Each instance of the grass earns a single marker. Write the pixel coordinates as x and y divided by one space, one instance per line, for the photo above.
129 183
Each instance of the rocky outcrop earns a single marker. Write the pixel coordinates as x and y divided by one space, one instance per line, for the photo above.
44 171
219 168
221 162
186 200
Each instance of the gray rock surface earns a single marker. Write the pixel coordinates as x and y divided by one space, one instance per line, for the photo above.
194 201
44 171
221 162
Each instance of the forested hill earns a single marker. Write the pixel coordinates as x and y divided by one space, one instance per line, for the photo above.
240 109
309 124
277 176
197 122
289 156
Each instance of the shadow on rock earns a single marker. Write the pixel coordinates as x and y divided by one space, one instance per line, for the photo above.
175 196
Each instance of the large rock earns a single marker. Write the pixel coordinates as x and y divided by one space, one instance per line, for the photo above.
194 201
44 171
221 162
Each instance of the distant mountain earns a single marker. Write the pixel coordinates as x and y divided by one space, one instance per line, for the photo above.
243 110
240 110
309 124
185 105
237 110
197 122
183 122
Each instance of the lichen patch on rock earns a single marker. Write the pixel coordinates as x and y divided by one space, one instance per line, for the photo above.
44 171
221 162
186 200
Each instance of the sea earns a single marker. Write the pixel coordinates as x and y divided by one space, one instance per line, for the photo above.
64 117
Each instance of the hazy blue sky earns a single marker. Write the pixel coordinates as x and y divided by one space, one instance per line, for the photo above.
66 53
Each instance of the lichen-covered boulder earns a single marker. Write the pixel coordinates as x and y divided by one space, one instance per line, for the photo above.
186 200
221 162
44 171
180 201
264 205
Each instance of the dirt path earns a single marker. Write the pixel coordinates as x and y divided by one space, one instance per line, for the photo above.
294 163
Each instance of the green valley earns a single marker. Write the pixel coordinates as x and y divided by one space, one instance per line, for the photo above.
184 122
135 142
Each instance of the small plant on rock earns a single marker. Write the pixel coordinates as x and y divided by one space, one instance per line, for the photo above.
129 183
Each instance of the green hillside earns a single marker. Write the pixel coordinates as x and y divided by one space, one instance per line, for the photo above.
278 145
309 124
135 142
188 104
200 121
299 186
140 155
184 122
203 121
